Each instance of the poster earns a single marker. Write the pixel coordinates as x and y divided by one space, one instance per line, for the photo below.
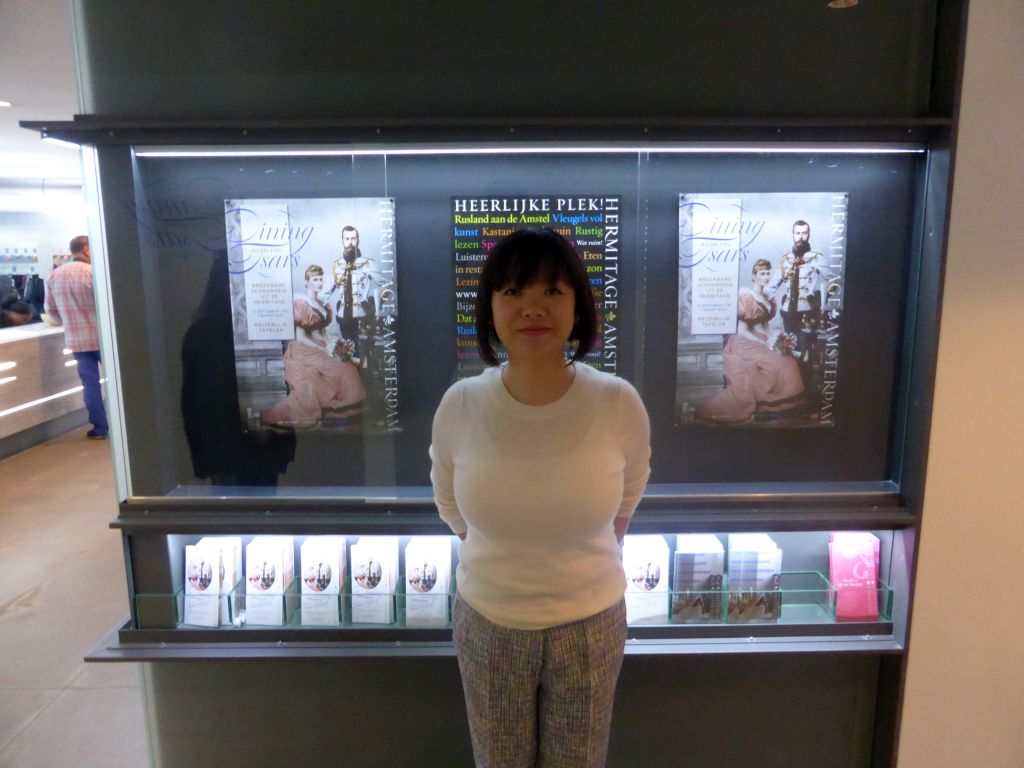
315 313
760 290
590 223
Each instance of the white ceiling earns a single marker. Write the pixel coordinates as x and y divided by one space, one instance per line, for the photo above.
37 75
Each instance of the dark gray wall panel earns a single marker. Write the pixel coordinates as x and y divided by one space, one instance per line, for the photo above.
729 58
770 711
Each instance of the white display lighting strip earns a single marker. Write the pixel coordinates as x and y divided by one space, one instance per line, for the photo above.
6 366
69 363
40 401
8 379
60 143
765 149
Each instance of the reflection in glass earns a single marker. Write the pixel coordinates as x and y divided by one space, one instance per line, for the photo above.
221 446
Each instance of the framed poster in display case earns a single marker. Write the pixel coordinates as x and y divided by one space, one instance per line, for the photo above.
314 304
761 295
591 223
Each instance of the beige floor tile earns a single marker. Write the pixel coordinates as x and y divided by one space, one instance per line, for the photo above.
60 536
62 589
108 675
18 708
84 728
20 572
96 575
58 496
45 647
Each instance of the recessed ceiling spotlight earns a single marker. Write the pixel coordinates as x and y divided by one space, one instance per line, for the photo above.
842 3
5 104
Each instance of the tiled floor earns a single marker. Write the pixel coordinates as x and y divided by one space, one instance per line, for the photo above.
62 588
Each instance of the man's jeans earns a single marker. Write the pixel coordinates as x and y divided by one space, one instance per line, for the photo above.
89 373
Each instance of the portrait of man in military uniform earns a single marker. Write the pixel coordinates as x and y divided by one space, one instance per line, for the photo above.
359 282
801 290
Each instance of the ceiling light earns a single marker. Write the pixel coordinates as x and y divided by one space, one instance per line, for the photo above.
764 148
6 104
843 3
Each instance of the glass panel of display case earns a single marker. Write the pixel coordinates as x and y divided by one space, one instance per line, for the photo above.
773 336
287 322
159 611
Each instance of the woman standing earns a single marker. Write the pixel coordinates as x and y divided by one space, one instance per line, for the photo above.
758 377
317 382
538 465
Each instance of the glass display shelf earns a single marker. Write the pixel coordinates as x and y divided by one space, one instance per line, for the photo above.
797 611
243 609
802 598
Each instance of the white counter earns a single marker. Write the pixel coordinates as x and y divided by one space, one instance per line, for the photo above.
31 331
38 380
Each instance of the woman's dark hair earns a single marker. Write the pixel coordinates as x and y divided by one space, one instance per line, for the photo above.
522 257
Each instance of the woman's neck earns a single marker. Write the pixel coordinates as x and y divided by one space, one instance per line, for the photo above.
537 382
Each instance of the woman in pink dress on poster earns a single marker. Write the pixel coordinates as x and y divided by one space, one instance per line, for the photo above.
761 375
319 384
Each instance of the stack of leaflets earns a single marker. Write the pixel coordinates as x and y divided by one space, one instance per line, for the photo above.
755 570
428 562
374 578
853 572
213 566
322 564
697 578
269 571
645 560
202 577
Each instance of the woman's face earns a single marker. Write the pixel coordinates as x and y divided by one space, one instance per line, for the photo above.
762 276
315 283
535 320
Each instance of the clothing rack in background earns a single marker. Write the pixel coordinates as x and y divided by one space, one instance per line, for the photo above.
19 276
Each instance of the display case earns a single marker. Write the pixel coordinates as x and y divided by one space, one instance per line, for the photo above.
206 251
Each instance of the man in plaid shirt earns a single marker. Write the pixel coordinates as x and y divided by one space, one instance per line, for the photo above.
70 301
